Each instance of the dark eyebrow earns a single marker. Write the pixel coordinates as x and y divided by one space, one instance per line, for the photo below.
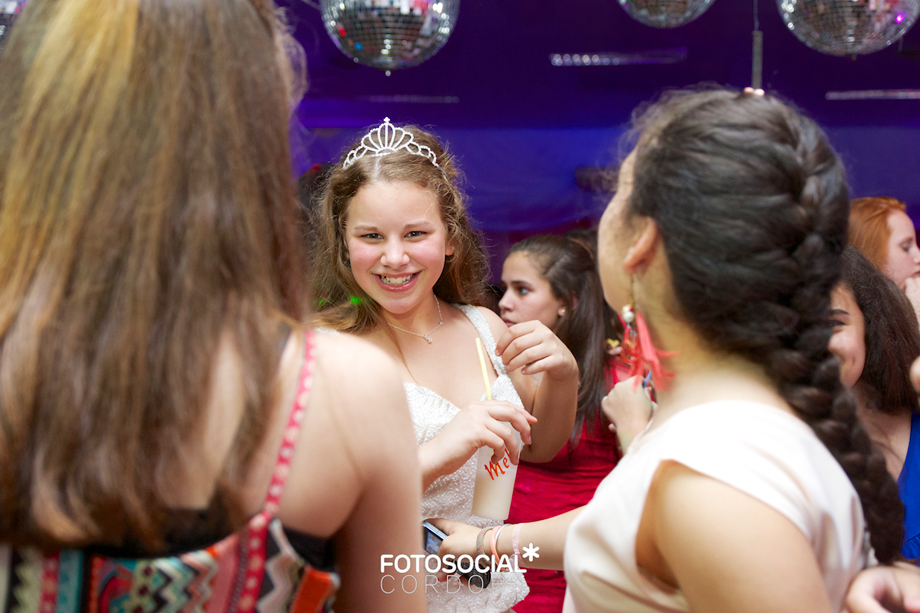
838 312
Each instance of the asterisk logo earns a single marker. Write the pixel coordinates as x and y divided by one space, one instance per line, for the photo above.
530 552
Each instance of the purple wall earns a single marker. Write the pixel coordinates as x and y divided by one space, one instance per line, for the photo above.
522 182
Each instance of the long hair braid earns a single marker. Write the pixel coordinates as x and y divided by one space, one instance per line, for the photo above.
752 206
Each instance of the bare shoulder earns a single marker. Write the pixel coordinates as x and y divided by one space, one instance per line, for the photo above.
496 325
363 379
356 435
522 383
356 354
352 364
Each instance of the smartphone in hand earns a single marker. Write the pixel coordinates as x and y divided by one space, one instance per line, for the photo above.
432 538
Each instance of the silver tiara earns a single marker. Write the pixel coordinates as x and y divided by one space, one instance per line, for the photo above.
385 139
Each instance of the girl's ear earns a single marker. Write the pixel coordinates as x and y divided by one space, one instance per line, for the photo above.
574 301
449 248
644 245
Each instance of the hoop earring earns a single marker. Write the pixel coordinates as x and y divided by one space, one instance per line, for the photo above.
640 353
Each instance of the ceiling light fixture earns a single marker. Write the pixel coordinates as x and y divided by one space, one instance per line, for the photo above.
662 56
389 34
848 27
665 13
875 94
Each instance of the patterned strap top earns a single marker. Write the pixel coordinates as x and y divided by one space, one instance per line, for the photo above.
253 569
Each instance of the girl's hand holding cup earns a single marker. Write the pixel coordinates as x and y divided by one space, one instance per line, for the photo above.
481 424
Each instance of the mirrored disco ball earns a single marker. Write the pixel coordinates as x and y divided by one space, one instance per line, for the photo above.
9 10
847 27
665 13
390 34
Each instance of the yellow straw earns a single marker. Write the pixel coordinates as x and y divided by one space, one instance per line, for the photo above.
485 373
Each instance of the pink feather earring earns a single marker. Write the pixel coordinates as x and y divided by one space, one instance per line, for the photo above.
641 354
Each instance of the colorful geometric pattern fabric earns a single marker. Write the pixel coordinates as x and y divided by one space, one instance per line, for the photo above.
255 570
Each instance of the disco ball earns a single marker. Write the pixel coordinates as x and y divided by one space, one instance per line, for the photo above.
665 13
390 34
9 10
848 27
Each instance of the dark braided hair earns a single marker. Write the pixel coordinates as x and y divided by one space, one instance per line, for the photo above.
751 203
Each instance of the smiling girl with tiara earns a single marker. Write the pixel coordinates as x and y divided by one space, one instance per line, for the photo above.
399 265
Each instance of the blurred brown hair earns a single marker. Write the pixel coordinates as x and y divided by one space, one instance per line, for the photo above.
146 212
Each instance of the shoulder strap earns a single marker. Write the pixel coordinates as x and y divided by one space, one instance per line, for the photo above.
292 432
485 333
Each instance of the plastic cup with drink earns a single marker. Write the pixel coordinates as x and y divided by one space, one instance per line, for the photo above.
494 480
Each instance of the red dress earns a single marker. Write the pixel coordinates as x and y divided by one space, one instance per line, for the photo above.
568 481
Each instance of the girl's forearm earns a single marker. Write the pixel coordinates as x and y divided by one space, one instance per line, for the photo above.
544 539
554 407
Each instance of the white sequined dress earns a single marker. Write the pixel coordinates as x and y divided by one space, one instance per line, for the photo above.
451 496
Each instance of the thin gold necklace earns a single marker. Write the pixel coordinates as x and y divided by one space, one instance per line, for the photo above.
427 337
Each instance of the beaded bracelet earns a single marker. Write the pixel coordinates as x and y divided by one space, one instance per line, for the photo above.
480 550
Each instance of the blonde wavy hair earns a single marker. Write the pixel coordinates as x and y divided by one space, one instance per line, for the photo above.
146 210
